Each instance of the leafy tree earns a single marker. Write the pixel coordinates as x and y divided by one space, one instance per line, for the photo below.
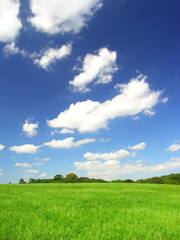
128 181
58 177
97 180
21 181
140 181
84 179
71 177
32 180
156 180
117 181
171 179
47 180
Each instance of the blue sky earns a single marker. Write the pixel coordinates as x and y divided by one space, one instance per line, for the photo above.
90 87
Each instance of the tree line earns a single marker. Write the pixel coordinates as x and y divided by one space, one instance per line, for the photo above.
73 178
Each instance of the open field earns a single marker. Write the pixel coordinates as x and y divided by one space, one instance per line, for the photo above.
91 211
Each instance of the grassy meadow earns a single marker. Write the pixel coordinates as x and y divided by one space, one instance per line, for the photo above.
92 211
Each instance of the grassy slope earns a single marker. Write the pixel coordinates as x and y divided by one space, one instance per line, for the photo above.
89 212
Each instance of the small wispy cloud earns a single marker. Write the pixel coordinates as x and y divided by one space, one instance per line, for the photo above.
24 165
173 148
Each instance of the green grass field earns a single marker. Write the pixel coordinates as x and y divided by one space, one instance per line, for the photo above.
89 212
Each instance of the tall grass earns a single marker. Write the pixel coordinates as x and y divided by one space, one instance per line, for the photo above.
89 212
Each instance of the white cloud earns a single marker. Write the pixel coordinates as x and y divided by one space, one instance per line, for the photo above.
107 156
62 131
51 55
139 161
138 147
89 116
32 171
1 173
98 67
68 143
12 49
133 154
43 175
27 148
38 163
175 159
43 159
165 100
53 133
54 16
113 169
24 165
1 147
103 140
173 147
10 24
149 112
65 131
30 128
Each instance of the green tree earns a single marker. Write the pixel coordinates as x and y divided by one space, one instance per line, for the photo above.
32 180
58 177
128 181
71 177
117 181
84 179
21 181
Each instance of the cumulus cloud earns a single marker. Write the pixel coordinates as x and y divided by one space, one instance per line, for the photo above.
138 147
30 128
113 169
63 16
10 24
173 148
43 175
11 49
89 116
1 147
27 148
32 171
68 143
1 172
107 156
51 55
24 165
99 67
